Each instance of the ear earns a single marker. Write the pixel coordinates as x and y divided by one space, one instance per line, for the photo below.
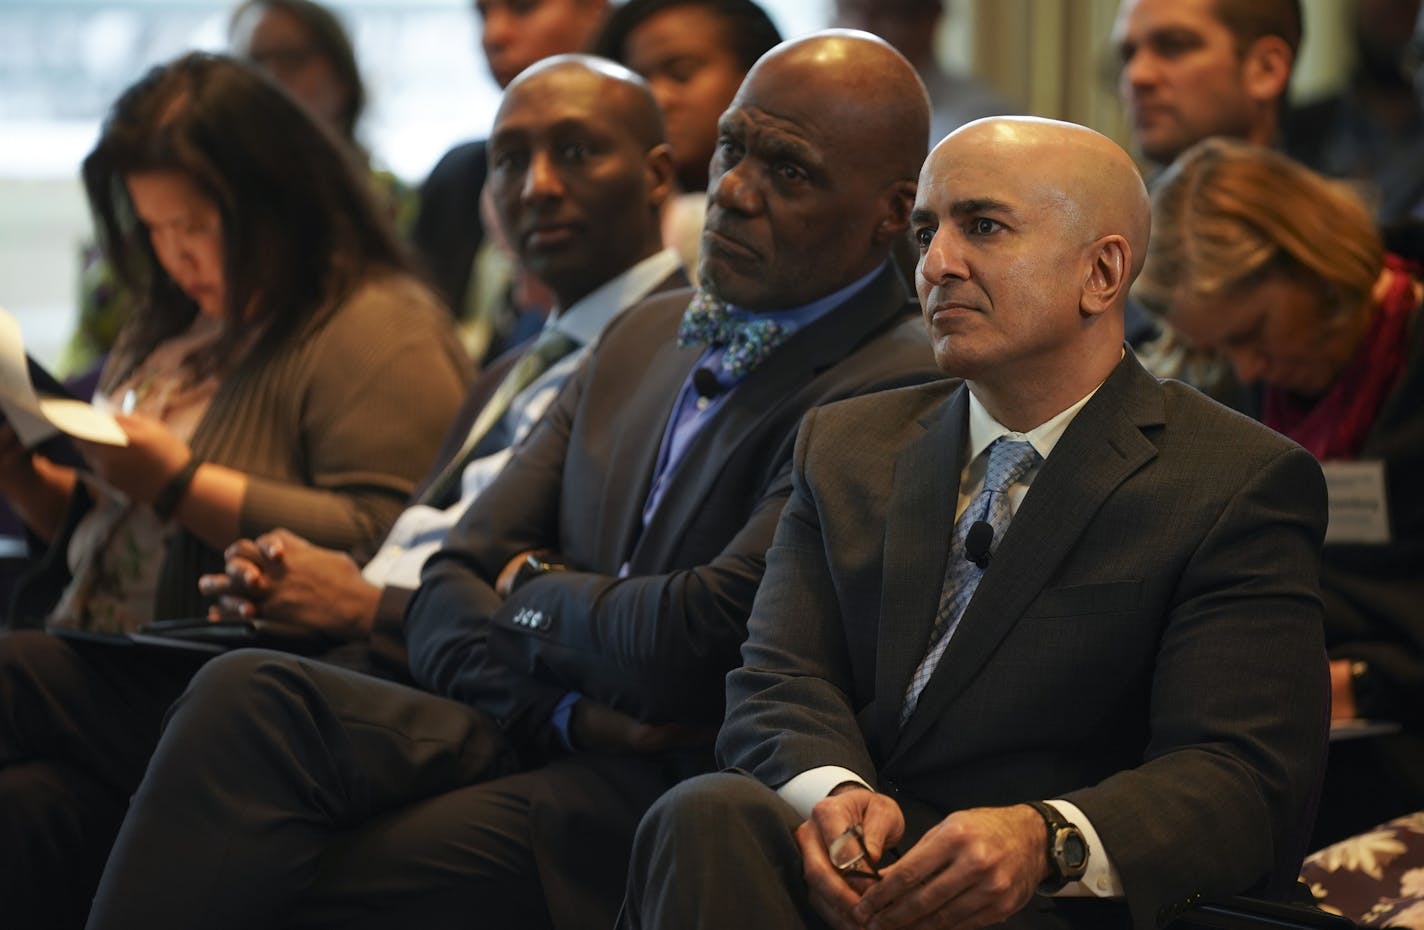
662 174
897 201
1107 282
1266 69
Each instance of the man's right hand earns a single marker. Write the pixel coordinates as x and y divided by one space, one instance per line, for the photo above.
282 576
833 894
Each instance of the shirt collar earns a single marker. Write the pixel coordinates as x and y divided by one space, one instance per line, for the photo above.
586 317
984 429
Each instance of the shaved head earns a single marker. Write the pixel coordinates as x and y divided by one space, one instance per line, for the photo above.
1030 234
814 174
589 76
1090 179
859 81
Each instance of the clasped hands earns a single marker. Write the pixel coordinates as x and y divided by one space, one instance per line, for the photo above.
973 869
284 577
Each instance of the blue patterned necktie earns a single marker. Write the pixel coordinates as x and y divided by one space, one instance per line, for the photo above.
746 341
1008 463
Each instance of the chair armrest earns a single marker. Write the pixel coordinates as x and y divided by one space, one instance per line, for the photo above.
1244 913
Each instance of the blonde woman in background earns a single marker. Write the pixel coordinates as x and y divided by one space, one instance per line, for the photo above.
1259 264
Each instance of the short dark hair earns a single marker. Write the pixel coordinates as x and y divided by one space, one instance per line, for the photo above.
301 228
332 42
1249 20
748 28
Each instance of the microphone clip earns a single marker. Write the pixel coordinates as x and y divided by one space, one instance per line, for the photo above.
977 543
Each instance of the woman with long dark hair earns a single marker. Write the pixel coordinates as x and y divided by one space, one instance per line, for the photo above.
284 366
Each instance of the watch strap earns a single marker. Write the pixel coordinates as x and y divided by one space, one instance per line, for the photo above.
165 504
1055 822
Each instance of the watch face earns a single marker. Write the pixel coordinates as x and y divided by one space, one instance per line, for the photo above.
1072 851
1075 851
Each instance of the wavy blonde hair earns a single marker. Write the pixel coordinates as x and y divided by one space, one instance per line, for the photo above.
1227 213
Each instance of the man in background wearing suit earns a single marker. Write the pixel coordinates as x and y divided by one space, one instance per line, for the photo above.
1058 581
577 627
449 230
589 227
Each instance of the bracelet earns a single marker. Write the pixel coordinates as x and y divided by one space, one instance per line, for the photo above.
165 504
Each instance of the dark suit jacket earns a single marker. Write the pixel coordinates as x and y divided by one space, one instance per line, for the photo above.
1146 642
1374 595
388 633
657 643
448 228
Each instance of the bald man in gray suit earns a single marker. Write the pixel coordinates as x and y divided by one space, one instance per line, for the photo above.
1090 666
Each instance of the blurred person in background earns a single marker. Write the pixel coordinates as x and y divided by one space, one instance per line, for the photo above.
304 47
913 26
1258 263
693 54
1370 130
283 365
1192 69
496 305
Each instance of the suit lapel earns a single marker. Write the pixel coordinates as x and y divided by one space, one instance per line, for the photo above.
919 521
1102 447
635 439
761 397
634 450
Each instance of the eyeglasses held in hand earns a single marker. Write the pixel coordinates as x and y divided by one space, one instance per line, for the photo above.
849 855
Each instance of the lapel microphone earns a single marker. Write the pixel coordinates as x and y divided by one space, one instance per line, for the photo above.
705 383
977 542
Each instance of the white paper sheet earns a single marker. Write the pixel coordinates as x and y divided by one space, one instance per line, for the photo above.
36 419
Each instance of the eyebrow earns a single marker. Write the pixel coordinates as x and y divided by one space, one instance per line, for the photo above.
922 215
771 142
975 206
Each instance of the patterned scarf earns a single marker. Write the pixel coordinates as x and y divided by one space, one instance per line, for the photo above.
1334 425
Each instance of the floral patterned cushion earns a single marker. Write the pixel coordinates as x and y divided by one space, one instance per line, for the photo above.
1375 878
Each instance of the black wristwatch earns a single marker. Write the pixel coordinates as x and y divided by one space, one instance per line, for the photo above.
1067 849
534 565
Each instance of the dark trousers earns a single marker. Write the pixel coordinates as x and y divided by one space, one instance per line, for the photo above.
353 802
77 723
719 852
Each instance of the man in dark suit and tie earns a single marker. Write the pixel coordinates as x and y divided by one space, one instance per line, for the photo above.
577 627
589 227
1053 628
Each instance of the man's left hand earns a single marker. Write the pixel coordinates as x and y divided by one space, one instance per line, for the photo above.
597 727
973 869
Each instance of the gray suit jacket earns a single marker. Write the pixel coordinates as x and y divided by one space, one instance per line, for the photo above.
1146 642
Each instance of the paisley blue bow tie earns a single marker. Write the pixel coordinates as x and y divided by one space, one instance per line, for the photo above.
746 341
